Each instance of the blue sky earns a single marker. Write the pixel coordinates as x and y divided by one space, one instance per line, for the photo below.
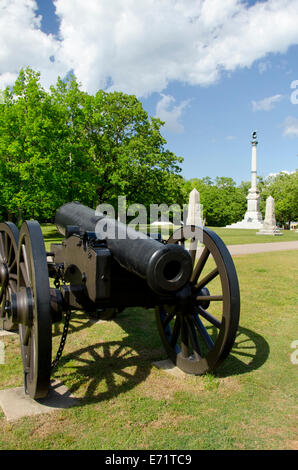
214 70
219 120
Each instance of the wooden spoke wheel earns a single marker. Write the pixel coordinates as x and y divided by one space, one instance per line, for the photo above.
33 310
9 238
199 330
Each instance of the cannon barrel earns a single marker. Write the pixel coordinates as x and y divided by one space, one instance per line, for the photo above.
166 268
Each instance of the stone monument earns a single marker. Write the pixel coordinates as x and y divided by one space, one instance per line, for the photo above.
269 226
253 217
195 209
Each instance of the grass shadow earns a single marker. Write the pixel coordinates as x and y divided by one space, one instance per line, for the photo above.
250 351
102 371
77 322
50 232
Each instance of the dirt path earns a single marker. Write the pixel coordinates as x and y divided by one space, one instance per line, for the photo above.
261 247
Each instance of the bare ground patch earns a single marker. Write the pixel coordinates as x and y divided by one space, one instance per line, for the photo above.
160 385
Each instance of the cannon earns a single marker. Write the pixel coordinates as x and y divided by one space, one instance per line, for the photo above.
102 267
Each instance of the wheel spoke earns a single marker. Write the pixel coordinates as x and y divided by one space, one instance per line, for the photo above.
207 279
5 245
194 339
24 274
13 264
10 251
213 320
176 331
203 332
13 285
199 266
182 242
193 249
211 298
26 336
26 264
168 318
2 252
184 338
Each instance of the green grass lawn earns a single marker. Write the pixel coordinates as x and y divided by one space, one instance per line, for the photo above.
243 236
123 402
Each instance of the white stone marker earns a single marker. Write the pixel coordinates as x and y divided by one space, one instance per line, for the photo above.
194 215
269 227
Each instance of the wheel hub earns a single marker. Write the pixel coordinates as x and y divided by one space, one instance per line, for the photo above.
20 307
184 300
202 293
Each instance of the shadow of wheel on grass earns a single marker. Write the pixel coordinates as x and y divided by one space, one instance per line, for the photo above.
78 321
250 351
102 371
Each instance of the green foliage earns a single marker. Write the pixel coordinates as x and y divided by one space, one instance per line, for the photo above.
65 145
284 189
223 202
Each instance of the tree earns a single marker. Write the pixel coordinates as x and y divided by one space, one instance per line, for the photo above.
63 144
223 202
31 150
129 155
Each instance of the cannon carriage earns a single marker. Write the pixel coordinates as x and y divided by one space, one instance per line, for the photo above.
103 266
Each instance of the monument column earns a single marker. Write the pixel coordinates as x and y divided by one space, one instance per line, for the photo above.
253 214
254 144
253 218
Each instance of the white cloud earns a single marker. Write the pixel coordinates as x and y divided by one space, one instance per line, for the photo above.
22 43
230 137
167 111
140 46
266 104
273 175
290 126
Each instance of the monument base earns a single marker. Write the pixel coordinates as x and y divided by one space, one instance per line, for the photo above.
269 231
252 218
266 232
251 224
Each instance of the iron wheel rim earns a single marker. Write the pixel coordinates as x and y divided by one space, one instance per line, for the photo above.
36 339
9 238
188 327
